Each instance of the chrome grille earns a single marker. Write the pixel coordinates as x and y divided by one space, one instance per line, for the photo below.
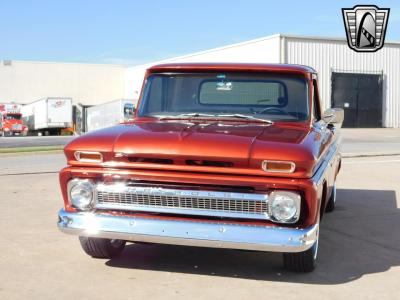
16 127
176 201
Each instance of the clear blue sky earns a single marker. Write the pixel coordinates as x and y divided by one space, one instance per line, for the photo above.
133 32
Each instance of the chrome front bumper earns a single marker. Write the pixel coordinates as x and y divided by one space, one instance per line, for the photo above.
188 233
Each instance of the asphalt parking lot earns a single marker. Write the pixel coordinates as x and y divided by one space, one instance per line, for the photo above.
359 248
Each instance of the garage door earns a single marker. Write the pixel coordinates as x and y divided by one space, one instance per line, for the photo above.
360 95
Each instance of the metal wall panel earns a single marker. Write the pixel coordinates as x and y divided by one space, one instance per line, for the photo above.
326 56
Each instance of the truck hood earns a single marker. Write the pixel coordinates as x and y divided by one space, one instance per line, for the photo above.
206 146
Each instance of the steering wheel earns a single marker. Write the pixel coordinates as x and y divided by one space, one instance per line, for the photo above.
276 109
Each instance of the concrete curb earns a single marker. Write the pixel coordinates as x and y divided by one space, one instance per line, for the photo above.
44 152
369 154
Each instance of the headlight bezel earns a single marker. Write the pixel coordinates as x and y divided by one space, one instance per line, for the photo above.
294 196
83 183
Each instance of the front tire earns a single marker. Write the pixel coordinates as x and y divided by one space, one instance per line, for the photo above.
332 200
302 261
101 248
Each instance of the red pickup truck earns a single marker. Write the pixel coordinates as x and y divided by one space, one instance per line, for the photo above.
222 155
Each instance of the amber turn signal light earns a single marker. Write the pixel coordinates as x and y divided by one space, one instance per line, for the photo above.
278 166
88 156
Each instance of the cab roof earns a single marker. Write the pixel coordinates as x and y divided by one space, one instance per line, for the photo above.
242 67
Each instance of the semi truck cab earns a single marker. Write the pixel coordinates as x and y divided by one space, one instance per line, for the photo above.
11 120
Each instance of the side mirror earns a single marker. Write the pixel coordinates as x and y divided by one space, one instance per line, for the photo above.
334 116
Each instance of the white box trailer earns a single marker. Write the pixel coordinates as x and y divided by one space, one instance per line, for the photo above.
48 115
110 113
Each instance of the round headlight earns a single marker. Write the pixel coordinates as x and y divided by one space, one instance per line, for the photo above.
284 206
80 193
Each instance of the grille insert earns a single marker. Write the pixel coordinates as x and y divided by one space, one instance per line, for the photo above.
178 201
208 163
16 127
164 161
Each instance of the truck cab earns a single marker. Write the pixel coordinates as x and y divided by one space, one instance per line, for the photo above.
236 156
11 120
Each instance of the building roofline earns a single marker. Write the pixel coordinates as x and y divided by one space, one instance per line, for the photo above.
338 39
277 35
172 59
62 62
185 56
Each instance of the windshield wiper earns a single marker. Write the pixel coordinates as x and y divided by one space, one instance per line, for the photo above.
240 116
199 115
194 115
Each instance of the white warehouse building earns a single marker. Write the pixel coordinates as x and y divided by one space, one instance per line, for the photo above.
366 85
26 81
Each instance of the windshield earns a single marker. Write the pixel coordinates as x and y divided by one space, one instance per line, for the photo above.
262 96
12 117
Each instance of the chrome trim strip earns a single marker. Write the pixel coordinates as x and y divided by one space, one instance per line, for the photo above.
318 174
188 233
185 211
124 190
160 191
